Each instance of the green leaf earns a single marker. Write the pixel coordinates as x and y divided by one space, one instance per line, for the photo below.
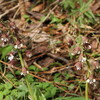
39 94
32 68
26 16
17 72
14 93
45 85
9 97
55 20
6 92
30 78
21 94
79 40
68 4
5 50
23 87
1 95
50 91
53 91
42 18
71 86
2 86
70 98
9 76
95 55
8 85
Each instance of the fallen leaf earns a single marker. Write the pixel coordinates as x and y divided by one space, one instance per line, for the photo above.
38 8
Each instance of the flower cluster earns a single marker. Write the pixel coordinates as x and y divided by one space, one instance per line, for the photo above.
11 57
19 46
24 71
91 81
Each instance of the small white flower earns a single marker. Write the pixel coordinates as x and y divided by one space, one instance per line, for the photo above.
83 59
91 81
78 68
97 67
22 74
89 46
21 45
5 39
11 57
88 80
0 31
78 52
2 39
86 42
94 80
16 46
72 54
27 72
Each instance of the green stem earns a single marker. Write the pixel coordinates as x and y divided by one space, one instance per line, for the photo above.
21 60
30 89
86 90
87 84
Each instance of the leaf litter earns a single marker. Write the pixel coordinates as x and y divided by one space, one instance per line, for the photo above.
52 47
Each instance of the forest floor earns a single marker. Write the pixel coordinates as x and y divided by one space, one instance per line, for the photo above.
50 50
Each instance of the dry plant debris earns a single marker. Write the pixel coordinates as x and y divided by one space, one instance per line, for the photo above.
50 49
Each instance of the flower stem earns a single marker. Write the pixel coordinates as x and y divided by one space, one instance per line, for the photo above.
21 60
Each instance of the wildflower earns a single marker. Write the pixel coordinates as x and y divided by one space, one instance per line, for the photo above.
88 80
83 59
24 71
85 40
21 45
4 39
27 72
69 40
0 31
18 46
76 51
94 63
78 65
28 53
89 47
11 57
91 81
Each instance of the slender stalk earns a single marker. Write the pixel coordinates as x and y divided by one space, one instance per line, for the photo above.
86 91
30 90
87 84
21 60
22 9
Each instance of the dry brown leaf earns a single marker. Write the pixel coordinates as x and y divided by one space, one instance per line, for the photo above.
86 27
98 48
27 4
38 7
95 7
94 44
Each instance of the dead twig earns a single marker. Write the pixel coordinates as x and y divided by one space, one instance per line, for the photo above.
7 11
7 79
5 3
38 66
22 9
58 57
46 17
